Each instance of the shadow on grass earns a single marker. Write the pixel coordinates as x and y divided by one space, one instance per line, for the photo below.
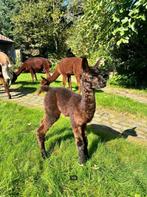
22 91
57 138
23 83
106 134
99 91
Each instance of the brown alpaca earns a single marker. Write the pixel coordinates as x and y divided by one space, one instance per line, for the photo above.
80 108
5 73
67 67
33 65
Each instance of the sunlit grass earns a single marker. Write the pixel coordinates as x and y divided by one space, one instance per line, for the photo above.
121 104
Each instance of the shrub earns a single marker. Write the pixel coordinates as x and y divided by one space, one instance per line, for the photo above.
123 80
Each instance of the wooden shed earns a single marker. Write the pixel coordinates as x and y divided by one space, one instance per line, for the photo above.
7 46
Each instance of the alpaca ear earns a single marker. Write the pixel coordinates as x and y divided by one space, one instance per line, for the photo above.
85 64
98 63
44 81
44 78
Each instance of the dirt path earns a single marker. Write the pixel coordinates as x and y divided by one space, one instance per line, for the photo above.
142 97
104 120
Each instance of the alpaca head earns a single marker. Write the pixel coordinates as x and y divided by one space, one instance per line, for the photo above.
92 76
43 85
44 81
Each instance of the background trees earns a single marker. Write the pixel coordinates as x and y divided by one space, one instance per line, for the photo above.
40 25
115 30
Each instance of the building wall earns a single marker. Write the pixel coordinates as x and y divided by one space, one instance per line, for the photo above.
8 48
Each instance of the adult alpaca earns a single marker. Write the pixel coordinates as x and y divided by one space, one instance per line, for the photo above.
6 74
67 67
80 108
6 67
33 65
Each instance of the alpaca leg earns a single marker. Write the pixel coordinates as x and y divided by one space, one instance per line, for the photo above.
35 76
46 123
85 140
6 88
32 74
64 80
80 145
78 84
69 82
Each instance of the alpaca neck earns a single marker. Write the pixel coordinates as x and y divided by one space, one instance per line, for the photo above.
88 99
54 76
20 70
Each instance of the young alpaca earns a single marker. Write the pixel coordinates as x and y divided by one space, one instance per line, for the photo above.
80 108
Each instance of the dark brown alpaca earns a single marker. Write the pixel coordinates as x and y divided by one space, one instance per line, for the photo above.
33 65
67 67
80 108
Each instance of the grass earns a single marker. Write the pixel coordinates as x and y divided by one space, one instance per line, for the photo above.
116 168
121 104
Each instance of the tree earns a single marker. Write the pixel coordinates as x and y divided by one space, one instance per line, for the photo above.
40 25
115 30
7 10
131 41
91 33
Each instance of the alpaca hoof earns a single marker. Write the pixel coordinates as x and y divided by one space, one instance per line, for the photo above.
44 155
82 159
81 165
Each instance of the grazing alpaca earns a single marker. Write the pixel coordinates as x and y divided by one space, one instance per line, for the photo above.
5 73
80 108
34 65
67 67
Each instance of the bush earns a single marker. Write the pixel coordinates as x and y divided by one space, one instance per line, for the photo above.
123 80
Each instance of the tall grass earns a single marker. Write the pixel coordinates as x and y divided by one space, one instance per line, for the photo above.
115 168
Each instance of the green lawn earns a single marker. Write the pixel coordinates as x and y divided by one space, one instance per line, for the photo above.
121 104
115 168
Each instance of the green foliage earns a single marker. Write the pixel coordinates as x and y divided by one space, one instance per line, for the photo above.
39 25
87 36
128 20
123 80
7 10
116 31
115 168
